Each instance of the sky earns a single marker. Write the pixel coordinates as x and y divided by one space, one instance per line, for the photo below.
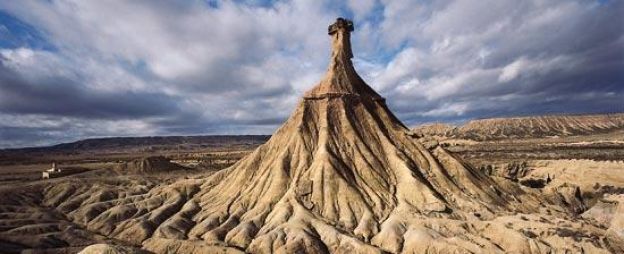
75 69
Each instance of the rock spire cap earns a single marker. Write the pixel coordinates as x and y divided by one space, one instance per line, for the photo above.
341 78
341 23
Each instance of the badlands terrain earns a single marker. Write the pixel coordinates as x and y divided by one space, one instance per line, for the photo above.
341 175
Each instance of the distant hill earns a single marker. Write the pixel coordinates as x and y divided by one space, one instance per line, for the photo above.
116 143
179 141
527 127
117 147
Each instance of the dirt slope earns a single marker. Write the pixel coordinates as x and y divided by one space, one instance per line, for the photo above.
153 164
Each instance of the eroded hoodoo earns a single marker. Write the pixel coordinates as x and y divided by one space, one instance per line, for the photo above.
341 175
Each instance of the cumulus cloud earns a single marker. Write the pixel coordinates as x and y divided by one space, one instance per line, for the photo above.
196 67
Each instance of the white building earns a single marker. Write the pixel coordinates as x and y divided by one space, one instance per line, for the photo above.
52 172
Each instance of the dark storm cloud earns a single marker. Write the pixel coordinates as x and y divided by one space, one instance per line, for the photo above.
65 97
25 136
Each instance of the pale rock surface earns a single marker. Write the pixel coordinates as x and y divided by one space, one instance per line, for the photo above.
609 213
102 248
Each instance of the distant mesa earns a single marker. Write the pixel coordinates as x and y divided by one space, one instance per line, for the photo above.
527 127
